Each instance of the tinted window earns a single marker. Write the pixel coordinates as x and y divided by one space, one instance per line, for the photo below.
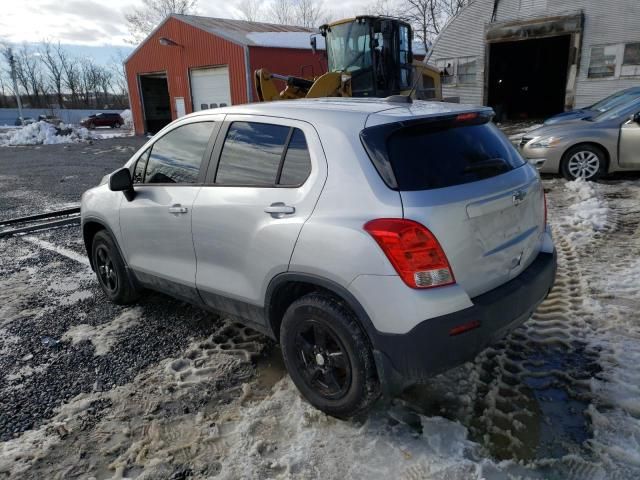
251 154
138 171
177 156
297 162
424 157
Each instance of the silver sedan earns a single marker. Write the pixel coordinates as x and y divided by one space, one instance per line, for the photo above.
587 148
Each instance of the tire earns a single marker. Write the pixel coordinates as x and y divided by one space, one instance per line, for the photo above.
584 161
115 281
91 126
328 356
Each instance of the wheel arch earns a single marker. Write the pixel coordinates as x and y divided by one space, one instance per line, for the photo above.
287 287
607 154
90 227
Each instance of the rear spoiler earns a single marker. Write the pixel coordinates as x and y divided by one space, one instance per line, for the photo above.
374 139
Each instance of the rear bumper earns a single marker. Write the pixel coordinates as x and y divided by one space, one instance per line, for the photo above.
428 349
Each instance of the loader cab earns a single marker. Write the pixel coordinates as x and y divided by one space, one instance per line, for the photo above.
374 51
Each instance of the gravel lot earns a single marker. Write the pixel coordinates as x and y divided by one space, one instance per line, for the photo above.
162 390
47 176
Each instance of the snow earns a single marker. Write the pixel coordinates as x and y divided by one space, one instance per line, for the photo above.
43 133
127 117
587 215
103 336
285 437
298 40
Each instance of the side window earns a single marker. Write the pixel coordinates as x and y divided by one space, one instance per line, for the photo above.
141 163
176 157
297 161
251 154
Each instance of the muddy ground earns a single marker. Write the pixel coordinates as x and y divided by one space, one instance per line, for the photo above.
162 390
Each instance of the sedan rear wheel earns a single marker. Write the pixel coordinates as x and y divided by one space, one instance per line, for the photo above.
583 161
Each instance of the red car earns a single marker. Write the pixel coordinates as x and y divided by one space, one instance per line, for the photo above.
113 120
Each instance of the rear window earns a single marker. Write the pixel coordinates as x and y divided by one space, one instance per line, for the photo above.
428 156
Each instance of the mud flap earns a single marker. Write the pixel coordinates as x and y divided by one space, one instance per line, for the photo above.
392 383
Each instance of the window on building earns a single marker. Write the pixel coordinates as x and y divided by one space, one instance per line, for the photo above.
176 156
467 68
631 60
447 68
603 61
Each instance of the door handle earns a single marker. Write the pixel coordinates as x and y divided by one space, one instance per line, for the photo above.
279 210
177 208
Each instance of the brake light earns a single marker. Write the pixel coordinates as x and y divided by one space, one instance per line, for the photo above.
413 251
467 116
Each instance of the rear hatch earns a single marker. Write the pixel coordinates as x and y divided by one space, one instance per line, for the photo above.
460 177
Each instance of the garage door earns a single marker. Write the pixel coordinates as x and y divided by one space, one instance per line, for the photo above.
210 88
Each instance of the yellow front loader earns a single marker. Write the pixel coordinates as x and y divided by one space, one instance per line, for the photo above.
367 56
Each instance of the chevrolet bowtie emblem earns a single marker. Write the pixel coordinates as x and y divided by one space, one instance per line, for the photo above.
518 196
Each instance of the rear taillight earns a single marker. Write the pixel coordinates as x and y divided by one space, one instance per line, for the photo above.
413 251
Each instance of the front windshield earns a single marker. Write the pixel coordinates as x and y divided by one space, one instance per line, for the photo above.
616 99
620 111
349 47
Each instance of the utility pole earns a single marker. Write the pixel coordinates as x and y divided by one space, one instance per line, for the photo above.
12 65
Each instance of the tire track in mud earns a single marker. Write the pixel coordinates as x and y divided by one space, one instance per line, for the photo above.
527 397
534 386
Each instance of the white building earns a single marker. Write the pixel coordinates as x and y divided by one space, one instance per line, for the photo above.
533 58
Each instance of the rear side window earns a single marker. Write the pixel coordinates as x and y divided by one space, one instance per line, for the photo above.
297 162
424 156
263 155
176 157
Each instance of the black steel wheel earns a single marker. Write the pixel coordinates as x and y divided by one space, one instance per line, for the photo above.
322 359
114 279
106 270
328 356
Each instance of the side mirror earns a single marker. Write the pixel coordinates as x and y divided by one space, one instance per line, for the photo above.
314 44
120 181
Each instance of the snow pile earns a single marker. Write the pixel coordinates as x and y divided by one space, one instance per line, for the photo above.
587 213
127 117
43 133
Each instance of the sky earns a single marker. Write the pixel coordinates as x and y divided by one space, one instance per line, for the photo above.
97 28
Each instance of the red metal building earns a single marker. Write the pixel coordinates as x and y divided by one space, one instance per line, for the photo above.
190 63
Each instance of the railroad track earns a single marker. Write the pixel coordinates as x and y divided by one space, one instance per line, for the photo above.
41 221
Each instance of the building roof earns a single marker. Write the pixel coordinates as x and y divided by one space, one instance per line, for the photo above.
257 34
242 32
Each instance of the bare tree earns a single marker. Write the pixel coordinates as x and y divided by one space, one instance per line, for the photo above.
71 77
281 11
429 16
305 13
385 8
251 10
50 56
308 13
141 21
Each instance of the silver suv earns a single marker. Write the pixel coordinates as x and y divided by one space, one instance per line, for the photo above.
380 242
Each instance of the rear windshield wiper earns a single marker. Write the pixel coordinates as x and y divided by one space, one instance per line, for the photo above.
490 164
